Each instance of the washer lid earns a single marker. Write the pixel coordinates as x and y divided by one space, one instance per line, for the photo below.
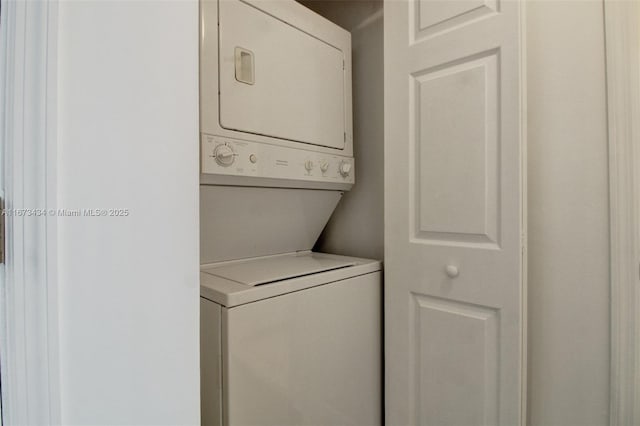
257 272
230 293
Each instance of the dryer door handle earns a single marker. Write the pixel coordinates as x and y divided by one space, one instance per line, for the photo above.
245 68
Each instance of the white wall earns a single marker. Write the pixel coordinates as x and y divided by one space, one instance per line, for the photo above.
568 219
356 227
128 138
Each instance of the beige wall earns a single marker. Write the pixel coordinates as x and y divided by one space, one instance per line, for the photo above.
568 215
356 227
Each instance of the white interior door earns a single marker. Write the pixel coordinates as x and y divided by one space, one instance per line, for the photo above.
454 212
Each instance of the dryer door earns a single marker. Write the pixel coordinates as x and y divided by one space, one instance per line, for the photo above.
278 81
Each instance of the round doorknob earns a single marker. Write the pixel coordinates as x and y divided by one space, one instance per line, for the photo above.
452 271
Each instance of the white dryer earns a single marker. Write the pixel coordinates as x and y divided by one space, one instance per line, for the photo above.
275 96
291 340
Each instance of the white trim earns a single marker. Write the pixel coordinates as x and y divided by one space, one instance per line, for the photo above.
524 255
29 333
623 95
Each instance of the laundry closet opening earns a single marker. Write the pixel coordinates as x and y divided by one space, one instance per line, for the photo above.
291 212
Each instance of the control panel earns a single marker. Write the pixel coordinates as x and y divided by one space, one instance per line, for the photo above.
233 157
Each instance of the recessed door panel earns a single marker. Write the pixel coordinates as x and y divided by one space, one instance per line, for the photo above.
456 151
278 81
456 361
436 16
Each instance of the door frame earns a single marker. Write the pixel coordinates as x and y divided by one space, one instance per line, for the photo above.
622 45
29 370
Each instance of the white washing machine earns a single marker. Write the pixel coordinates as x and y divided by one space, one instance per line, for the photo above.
291 339
288 336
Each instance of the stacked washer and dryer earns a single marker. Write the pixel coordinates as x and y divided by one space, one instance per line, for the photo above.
288 336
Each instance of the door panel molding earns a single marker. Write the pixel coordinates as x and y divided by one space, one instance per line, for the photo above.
622 35
431 18
478 222
476 359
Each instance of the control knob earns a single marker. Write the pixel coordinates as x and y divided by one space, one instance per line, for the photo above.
324 165
308 165
224 155
345 168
